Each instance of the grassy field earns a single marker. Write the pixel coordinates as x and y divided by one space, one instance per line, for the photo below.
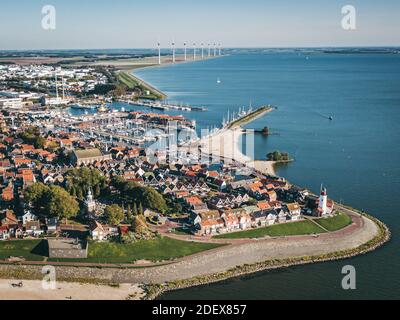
154 250
160 249
33 250
109 252
127 80
284 229
337 222
130 81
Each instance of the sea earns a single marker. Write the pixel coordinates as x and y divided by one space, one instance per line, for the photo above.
338 115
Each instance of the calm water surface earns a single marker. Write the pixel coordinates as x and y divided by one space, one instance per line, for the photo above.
356 155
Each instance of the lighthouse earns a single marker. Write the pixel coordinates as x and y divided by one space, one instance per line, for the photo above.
323 200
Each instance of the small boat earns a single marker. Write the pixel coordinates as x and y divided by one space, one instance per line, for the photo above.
84 106
331 118
218 80
103 108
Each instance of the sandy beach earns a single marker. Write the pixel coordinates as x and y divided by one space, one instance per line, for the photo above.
33 290
226 144
239 252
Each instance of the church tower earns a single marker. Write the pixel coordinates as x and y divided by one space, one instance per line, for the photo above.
90 203
323 200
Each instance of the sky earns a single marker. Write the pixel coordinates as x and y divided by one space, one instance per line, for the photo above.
101 24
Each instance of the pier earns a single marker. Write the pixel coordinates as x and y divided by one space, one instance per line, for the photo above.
162 105
248 117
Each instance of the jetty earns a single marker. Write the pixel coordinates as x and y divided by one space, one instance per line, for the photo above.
248 117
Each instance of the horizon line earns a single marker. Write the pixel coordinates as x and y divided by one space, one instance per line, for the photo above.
225 48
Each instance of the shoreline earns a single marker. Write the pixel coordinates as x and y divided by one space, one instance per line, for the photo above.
166 62
226 144
33 290
166 278
383 236
365 234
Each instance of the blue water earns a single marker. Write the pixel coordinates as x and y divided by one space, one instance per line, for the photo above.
356 155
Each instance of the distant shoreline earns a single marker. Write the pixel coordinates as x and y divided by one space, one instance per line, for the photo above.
166 62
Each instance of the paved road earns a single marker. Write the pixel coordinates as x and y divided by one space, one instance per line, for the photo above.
238 252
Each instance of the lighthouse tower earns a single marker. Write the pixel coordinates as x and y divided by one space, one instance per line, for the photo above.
323 200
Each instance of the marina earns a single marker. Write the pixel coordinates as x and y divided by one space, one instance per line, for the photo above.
164 106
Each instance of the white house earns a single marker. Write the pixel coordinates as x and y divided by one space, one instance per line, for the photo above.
271 218
294 211
4 233
97 232
28 216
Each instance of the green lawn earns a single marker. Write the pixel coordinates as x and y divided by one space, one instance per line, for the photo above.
284 229
154 250
337 222
33 250
126 79
109 252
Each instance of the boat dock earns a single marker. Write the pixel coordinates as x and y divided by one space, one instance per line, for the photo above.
244 117
162 105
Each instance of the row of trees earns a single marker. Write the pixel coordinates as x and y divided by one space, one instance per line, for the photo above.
52 201
58 202
278 156
80 180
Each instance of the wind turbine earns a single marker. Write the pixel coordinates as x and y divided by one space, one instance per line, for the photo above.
215 49
173 51
159 52
219 49
194 51
184 49
202 50
209 50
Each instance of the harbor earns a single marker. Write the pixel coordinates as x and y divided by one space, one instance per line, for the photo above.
160 105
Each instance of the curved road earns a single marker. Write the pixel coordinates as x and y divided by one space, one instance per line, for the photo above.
238 252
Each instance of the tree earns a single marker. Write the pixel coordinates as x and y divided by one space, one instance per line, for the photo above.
36 196
278 156
32 136
52 146
114 214
140 209
82 179
174 207
59 203
135 209
153 200
129 215
133 192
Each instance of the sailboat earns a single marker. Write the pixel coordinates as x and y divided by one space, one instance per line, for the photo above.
103 108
